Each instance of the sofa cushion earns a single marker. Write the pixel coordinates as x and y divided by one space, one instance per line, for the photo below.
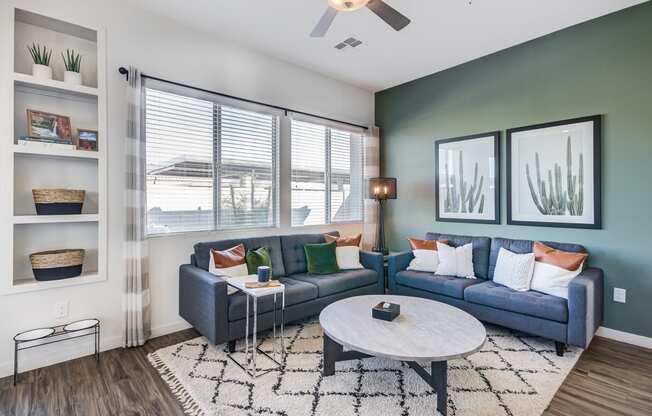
295 292
529 303
329 284
443 285
524 246
203 250
481 246
294 256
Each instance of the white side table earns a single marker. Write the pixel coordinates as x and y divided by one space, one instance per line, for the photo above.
249 366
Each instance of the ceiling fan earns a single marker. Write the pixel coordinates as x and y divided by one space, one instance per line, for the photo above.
392 17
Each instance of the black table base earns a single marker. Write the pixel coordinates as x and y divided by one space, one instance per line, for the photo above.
437 378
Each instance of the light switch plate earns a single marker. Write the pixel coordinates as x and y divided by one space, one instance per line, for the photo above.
620 295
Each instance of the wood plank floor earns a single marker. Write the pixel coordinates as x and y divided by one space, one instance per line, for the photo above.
610 378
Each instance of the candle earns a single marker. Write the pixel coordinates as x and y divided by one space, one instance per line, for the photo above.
385 190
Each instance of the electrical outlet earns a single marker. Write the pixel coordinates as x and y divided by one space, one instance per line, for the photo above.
61 309
620 295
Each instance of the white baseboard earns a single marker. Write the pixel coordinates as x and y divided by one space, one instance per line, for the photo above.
69 351
625 337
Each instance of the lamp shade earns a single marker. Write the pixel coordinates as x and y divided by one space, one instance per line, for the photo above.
382 188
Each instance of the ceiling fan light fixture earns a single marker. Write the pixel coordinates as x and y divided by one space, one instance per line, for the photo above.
347 5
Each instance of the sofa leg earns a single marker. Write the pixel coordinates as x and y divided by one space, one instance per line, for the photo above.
231 346
560 347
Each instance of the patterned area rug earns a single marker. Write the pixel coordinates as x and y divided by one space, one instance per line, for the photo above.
514 374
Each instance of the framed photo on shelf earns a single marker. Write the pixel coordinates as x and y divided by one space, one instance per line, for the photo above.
48 126
554 174
467 179
87 140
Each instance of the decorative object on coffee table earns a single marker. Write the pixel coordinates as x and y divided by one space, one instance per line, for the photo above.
264 274
57 264
467 179
58 201
51 335
426 330
386 311
554 174
253 294
381 189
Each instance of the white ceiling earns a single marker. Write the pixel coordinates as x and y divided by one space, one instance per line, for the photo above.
443 33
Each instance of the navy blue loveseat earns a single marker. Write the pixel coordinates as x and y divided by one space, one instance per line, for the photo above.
204 303
573 321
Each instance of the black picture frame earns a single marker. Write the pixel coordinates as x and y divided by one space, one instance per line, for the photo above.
496 147
597 173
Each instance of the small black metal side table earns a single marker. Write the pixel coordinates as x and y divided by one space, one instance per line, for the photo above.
50 335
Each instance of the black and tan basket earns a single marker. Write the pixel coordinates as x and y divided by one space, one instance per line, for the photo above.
58 201
57 264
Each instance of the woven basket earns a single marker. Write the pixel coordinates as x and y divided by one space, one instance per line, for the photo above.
58 201
57 264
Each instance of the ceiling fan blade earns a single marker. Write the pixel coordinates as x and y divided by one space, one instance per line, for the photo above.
324 23
388 14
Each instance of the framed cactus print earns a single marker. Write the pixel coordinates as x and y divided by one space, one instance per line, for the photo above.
554 174
467 179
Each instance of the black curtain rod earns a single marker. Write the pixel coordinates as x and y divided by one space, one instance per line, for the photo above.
125 72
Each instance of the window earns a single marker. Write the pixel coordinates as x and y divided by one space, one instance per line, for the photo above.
326 178
210 164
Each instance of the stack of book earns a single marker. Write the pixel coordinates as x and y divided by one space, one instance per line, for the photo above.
42 143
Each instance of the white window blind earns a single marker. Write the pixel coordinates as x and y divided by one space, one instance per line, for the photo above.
209 165
326 174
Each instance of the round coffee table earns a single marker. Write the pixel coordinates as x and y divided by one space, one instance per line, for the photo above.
425 330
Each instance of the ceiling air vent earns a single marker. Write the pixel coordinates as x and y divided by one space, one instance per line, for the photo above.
352 42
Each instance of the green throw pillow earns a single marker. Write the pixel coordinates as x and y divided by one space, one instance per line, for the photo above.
258 257
321 258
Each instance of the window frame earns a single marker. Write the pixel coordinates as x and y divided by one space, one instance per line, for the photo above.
218 102
329 126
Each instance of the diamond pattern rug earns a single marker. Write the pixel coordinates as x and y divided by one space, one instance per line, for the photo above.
514 374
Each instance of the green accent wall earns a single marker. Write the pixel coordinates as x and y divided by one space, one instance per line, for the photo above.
603 66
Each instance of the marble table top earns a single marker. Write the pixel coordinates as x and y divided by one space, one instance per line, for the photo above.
425 330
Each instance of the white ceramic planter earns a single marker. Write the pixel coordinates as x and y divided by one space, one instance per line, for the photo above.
73 78
41 71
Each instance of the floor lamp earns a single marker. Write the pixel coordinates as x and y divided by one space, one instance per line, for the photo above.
381 189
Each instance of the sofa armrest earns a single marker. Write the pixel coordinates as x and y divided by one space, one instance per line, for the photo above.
396 263
585 303
203 302
374 261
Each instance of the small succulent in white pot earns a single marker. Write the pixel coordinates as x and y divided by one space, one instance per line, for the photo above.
41 57
72 62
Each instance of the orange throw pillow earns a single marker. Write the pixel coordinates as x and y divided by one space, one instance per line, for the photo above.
233 256
564 259
416 244
344 241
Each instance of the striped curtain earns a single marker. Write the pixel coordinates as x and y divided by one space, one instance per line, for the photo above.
371 170
136 298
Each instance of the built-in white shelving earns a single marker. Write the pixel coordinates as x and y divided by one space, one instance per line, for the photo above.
54 219
54 152
26 167
25 80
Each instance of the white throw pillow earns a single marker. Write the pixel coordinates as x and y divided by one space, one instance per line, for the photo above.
348 257
514 270
552 280
424 261
235 271
455 261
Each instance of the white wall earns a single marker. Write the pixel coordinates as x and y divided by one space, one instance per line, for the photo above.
158 46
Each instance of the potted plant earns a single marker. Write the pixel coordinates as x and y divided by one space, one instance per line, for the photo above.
72 62
41 57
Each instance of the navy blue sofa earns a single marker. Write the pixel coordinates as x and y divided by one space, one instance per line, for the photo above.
573 321
204 303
